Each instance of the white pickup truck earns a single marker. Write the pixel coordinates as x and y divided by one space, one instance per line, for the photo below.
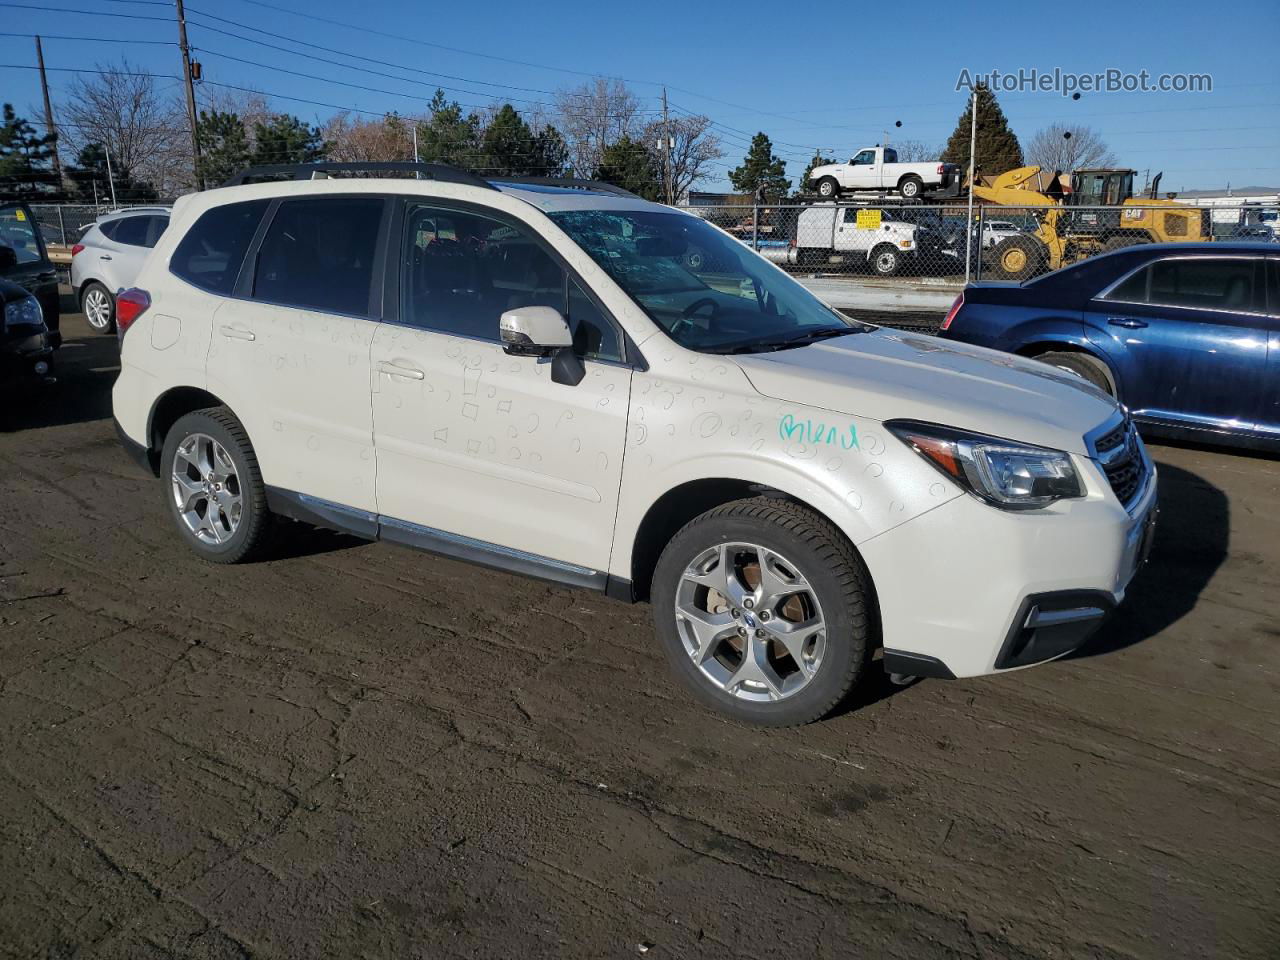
877 168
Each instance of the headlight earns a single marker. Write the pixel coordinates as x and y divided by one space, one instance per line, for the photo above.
1014 476
23 313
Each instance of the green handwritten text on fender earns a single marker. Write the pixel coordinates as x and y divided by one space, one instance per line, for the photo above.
815 432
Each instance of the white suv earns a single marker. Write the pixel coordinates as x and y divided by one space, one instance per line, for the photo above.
533 377
108 257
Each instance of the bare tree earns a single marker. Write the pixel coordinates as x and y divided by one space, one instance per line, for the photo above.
694 146
369 141
916 151
144 130
594 115
1055 152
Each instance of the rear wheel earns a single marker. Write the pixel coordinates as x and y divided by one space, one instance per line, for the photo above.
1018 258
98 307
762 608
213 488
910 187
1082 365
828 188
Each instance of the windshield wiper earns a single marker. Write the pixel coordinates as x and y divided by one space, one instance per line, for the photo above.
795 340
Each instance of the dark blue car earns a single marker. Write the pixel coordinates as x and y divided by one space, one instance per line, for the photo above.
1187 336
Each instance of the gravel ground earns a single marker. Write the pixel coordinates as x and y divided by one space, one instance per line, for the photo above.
353 750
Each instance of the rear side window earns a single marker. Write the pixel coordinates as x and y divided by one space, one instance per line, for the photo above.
1203 283
319 254
209 256
109 228
132 231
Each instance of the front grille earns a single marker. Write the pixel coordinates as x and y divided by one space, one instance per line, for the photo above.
1119 451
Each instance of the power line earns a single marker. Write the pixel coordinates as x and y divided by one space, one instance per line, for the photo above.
89 13
59 36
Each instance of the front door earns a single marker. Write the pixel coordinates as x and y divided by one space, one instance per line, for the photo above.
290 355
472 442
1187 336
864 174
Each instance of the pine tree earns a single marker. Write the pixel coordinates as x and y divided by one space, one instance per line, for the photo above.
628 164
224 147
92 180
448 136
286 139
998 148
761 170
508 144
26 161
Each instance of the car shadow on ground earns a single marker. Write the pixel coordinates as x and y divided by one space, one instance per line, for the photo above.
1192 538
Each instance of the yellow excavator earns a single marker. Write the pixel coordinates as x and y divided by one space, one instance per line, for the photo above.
1098 214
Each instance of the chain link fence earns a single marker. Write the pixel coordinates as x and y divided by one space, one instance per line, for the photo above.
940 244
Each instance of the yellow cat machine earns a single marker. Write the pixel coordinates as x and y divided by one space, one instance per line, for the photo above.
1098 214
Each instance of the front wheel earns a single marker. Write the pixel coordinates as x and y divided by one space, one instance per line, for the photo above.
828 188
1018 258
98 307
1081 365
213 488
885 260
762 608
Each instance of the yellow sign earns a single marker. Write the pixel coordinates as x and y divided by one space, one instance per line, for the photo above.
21 215
868 219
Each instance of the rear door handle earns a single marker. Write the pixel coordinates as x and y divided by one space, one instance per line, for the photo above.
395 370
1128 322
236 333
104 256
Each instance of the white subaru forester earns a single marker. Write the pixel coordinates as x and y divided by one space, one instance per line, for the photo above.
530 375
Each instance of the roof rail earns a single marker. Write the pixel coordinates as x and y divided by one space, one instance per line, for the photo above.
568 183
441 172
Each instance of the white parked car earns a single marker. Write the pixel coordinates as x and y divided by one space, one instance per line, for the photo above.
863 234
996 231
108 257
531 376
877 168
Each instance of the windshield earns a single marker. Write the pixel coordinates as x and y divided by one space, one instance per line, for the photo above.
708 291
17 238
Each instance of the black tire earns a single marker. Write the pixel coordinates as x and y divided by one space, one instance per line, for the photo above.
885 260
829 188
910 187
826 560
1082 365
252 532
105 314
1018 258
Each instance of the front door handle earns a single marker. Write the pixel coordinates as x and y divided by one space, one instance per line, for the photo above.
104 256
236 333
1128 322
395 370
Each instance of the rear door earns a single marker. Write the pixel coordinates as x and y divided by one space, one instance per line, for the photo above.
290 349
125 249
1188 337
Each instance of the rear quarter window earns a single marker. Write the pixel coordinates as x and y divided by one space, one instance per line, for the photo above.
210 254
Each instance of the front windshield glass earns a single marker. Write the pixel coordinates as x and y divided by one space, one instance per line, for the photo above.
708 291
17 238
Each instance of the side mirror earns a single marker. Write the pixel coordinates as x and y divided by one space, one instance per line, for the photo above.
534 331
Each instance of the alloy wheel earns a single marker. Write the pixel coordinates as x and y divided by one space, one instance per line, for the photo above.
750 621
97 308
206 489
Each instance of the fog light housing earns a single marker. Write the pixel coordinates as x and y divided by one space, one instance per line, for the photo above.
41 367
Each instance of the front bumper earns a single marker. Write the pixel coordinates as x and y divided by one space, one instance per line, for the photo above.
26 353
967 589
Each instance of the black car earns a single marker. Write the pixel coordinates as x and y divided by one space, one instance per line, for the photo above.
26 347
25 261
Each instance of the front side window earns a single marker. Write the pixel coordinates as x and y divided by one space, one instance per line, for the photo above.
210 254
1203 283
864 158
18 244
708 291
461 271
318 254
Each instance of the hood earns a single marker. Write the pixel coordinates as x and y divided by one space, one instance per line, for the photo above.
818 171
891 375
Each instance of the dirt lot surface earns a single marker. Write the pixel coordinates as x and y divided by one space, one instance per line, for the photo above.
353 750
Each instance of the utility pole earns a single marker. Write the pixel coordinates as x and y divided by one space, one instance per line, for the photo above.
666 152
48 114
191 94
973 149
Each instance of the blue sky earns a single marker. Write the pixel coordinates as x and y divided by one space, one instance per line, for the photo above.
808 79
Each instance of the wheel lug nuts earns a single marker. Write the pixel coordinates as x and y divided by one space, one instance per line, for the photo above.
765 615
748 603
742 631
760 634
735 613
